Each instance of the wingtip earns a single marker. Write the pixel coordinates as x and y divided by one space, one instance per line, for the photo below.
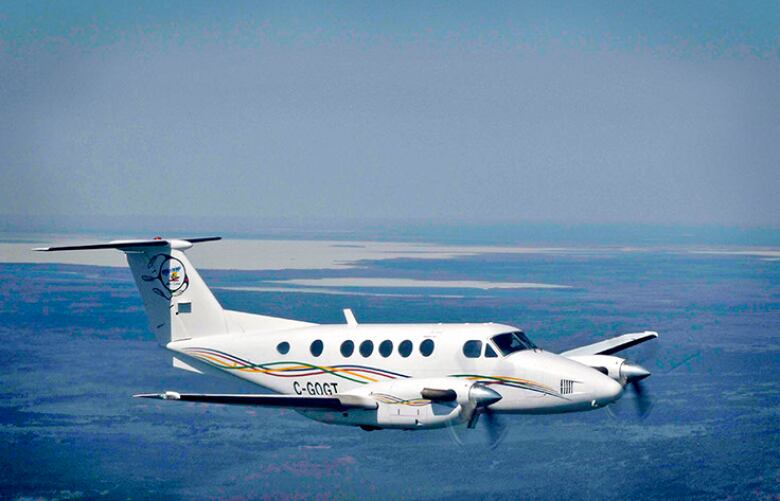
168 395
203 239
147 395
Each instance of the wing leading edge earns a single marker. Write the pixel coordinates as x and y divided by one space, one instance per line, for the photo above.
611 346
335 402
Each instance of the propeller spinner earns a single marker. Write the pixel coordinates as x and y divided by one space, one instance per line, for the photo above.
633 373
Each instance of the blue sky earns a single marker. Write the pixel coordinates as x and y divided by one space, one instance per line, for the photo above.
440 112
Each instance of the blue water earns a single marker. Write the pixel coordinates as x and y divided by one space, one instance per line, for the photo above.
74 347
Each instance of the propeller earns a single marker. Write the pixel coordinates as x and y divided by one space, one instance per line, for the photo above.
633 374
495 428
481 397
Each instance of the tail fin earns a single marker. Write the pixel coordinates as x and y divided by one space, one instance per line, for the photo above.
178 303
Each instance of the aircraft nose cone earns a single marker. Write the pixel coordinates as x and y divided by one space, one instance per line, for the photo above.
608 391
633 372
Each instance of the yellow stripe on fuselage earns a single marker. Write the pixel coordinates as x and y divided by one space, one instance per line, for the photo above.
220 362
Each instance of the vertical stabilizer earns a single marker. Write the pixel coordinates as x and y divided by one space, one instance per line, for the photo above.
178 303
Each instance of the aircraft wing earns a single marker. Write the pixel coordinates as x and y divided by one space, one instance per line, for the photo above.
611 346
332 402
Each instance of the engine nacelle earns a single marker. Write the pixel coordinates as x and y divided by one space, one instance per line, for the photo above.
401 405
606 364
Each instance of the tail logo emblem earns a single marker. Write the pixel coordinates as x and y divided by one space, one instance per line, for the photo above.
170 273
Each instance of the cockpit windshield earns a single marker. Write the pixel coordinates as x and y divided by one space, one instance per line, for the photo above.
511 342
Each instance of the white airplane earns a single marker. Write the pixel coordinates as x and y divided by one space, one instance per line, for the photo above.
375 376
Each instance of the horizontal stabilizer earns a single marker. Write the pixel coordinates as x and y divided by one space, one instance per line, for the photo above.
181 244
613 345
335 402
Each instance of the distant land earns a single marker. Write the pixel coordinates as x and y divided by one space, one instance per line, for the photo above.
569 233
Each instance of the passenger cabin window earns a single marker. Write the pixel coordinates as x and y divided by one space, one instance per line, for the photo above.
366 348
347 348
283 347
386 348
511 342
489 352
316 348
426 347
405 348
472 349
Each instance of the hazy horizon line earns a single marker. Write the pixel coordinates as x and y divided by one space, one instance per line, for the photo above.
398 229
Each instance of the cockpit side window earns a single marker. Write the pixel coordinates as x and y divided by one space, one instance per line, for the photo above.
531 345
511 342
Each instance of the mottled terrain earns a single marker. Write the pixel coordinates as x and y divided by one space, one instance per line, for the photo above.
75 347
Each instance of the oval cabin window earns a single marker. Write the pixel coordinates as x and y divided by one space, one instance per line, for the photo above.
405 348
386 348
472 349
366 348
347 348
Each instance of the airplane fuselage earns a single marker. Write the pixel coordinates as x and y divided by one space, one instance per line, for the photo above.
375 360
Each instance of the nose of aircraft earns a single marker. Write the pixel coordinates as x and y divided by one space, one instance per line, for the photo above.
606 390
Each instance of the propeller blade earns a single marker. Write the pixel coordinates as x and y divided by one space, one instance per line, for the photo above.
473 419
496 429
643 401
